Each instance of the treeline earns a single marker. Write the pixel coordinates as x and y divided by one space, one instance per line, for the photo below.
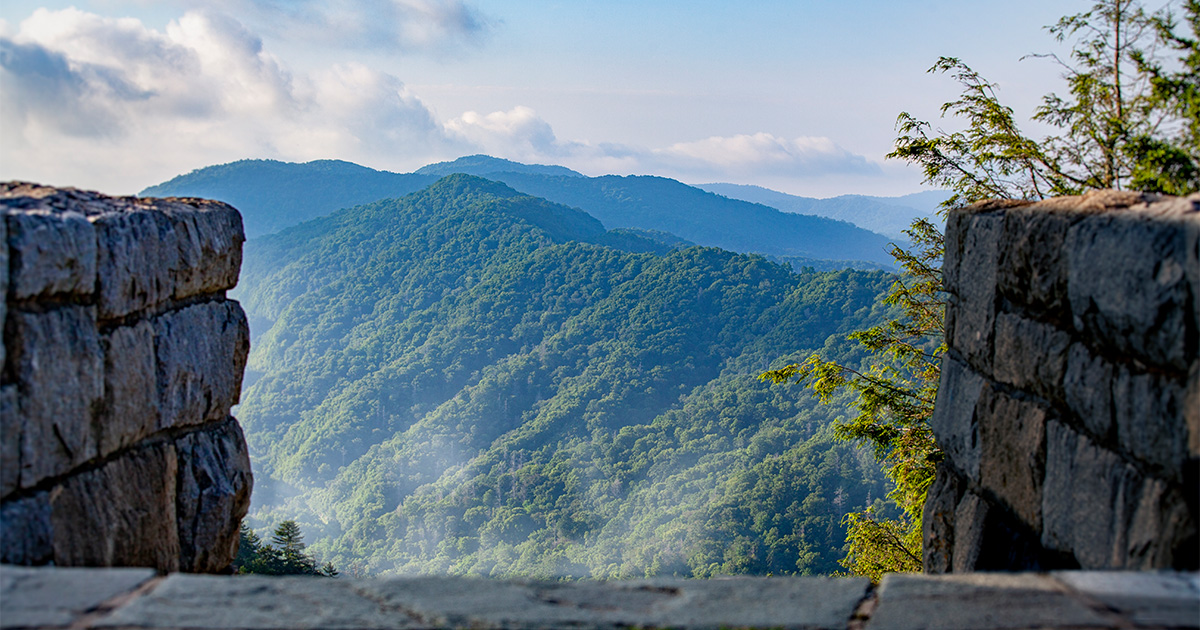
284 555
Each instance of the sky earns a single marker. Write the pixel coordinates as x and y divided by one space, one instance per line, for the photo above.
796 95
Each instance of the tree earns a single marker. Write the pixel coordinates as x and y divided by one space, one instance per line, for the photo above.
285 556
1131 118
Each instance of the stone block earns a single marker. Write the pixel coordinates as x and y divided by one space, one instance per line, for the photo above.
1087 389
1030 355
1107 513
258 602
954 419
938 521
1148 599
200 353
56 597
50 252
972 288
979 601
4 273
208 239
1128 287
10 441
59 372
1148 411
26 532
970 520
137 252
130 410
1191 410
120 514
1031 270
1012 436
213 494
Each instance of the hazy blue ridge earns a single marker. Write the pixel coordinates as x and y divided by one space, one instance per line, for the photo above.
471 380
659 203
889 216
272 195
482 165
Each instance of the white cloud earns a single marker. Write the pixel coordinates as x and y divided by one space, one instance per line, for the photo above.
392 25
766 154
109 102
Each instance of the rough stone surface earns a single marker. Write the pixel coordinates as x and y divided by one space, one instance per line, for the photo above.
120 514
1030 355
1012 459
980 601
954 421
212 495
122 360
26 532
130 411
433 602
1127 285
200 375
938 520
55 358
50 252
39 598
1148 599
10 441
1087 387
137 254
1069 405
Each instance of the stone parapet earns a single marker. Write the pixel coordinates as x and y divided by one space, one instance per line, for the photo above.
122 358
140 598
1069 405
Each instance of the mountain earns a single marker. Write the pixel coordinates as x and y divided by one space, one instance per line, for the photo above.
473 380
482 165
886 215
659 203
272 195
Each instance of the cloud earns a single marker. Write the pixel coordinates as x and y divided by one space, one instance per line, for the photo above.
391 25
766 154
520 134
80 93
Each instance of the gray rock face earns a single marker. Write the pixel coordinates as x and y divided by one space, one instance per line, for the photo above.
123 358
1069 407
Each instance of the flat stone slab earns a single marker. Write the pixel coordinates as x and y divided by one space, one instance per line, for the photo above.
56 598
137 598
1078 599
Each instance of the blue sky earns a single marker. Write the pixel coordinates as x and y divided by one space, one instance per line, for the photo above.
800 95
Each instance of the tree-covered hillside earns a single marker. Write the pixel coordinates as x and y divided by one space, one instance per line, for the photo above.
472 380
274 195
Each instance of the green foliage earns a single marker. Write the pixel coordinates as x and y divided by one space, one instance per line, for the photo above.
473 381
1128 121
894 394
285 556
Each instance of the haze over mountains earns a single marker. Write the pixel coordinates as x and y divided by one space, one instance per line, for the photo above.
528 371
273 195
473 380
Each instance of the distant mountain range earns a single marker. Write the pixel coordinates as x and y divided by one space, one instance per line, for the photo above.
889 216
804 232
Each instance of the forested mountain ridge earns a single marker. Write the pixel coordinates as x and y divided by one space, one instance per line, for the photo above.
472 380
889 216
273 195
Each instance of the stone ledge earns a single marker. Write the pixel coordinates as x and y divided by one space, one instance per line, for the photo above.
136 598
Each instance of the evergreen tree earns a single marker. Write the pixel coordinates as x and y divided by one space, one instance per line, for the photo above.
1128 121
285 556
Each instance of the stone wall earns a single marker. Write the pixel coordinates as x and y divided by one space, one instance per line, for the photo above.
1069 405
121 358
